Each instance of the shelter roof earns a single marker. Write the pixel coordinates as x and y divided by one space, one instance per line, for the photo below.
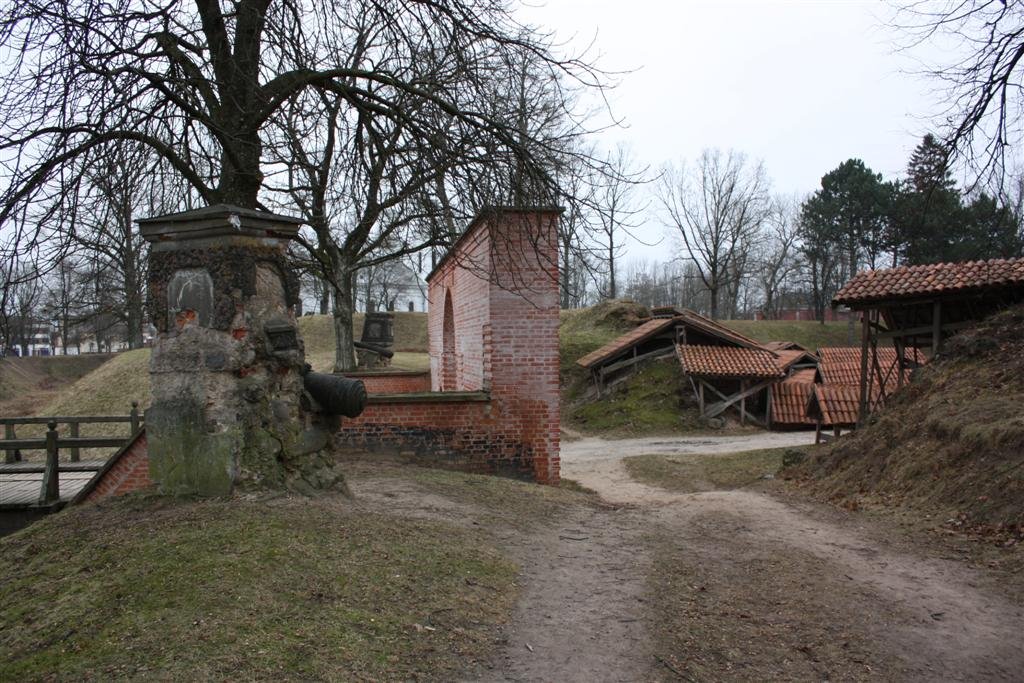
938 279
803 375
789 402
785 346
790 357
665 312
729 361
835 405
715 329
626 341
840 365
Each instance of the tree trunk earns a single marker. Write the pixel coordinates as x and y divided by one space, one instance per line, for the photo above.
344 347
713 292
325 298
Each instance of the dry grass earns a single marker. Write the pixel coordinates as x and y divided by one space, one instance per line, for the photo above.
247 590
410 332
26 384
693 473
951 443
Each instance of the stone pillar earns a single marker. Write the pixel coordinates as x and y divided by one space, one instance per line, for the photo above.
229 408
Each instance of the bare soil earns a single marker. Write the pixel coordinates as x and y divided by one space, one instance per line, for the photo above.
754 583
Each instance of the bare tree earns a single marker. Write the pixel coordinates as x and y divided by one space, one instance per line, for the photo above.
716 206
776 257
982 78
200 83
617 212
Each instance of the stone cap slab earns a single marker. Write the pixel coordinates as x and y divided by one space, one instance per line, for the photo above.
219 220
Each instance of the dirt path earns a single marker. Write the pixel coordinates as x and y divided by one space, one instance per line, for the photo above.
943 626
723 585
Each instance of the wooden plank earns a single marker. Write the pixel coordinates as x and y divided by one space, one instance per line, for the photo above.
936 327
49 491
65 419
722 406
615 367
76 451
926 330
11 454
40 468
865 336
66 442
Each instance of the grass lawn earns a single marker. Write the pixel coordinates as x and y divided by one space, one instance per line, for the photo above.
806 333
147 588
692 473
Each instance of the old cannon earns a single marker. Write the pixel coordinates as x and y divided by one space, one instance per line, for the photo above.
336 395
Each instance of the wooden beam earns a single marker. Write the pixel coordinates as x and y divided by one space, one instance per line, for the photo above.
865 336
721 406
926 329
936 327
615 367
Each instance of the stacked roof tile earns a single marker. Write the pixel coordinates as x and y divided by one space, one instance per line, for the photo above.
841 365
789 401
908 282
729 361
836 405
805 375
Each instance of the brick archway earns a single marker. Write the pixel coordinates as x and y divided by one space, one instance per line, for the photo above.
448 344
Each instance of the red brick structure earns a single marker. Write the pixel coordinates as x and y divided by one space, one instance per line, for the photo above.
393 381
493 326
125 472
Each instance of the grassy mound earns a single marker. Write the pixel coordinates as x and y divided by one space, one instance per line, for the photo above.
650 402
582 330
951 442
246 590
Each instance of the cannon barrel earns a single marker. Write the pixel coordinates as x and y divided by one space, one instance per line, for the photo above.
336 395
379 350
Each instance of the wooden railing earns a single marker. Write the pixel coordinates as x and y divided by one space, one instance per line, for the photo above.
53 442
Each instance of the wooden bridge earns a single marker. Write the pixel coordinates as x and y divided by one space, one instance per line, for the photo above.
50 484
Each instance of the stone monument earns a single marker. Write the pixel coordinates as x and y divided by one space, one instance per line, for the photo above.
229 405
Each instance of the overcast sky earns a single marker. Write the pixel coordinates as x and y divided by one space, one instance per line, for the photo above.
802 86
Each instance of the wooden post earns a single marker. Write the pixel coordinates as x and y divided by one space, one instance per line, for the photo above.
701 398
10 456
936 328
900 364
135 416
50 490
75 451
817 431
743 403
865 335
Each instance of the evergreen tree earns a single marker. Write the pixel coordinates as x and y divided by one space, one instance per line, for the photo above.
928 220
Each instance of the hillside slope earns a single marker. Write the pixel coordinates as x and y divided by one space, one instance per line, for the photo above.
27 383
952 442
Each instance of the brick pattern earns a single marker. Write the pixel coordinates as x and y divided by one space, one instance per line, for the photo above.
393 382
729 361
910 282
129 473
502 278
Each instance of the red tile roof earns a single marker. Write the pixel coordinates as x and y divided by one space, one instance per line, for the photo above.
715 329
625 342
788 357
841 365
908 282
784 346
835 405
804 375
789 402
729 361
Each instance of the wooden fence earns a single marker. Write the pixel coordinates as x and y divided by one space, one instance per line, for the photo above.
53 442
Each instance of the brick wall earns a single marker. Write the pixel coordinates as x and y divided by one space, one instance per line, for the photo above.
467 434
502 280
393 382
130 472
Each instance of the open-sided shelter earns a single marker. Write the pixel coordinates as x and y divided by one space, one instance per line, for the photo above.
917 308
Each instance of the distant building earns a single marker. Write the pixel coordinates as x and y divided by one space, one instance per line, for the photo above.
392 286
